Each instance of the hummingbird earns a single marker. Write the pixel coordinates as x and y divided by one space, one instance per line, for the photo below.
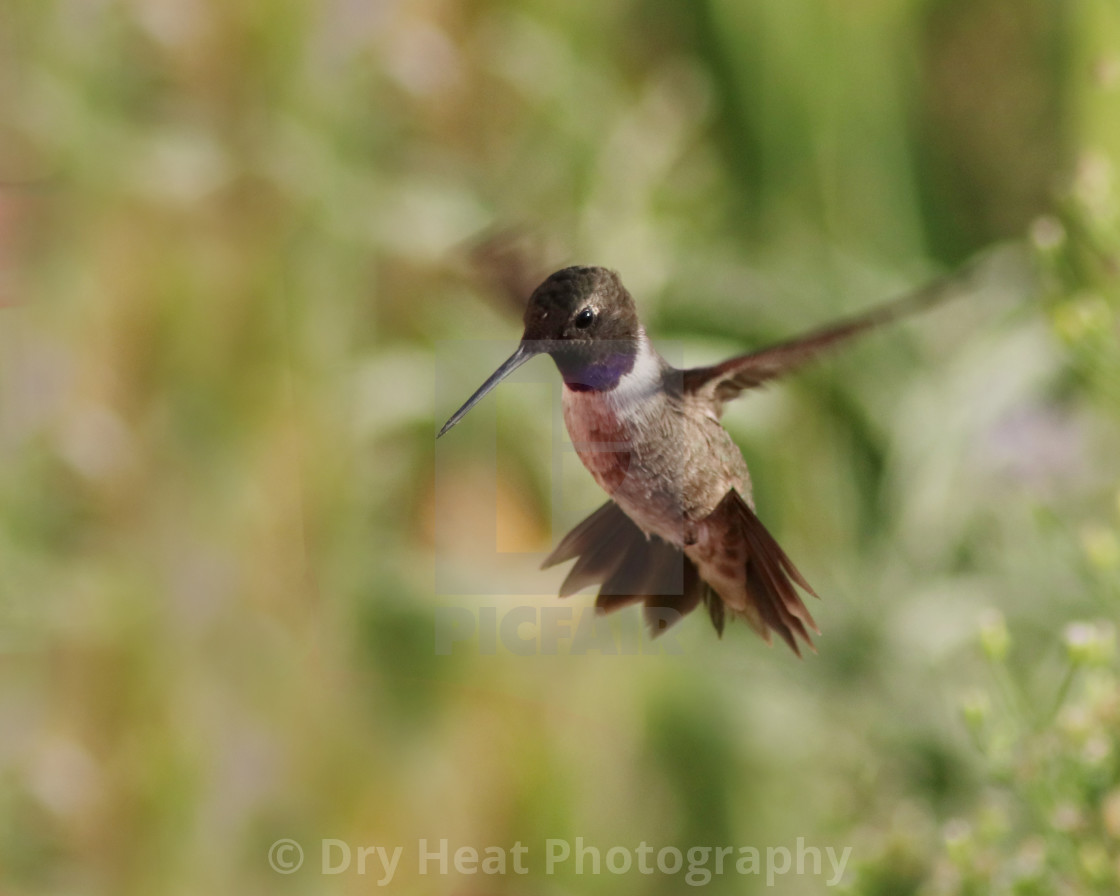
680 528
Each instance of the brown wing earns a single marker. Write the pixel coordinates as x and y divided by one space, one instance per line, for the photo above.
723 382
509 264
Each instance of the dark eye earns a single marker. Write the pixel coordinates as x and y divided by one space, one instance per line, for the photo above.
585 318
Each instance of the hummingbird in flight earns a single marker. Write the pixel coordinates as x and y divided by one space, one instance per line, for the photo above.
680 528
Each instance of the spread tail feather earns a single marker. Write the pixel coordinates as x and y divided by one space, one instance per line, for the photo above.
773 604
611 551
631 568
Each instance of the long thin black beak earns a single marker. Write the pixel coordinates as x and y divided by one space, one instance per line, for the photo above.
524 353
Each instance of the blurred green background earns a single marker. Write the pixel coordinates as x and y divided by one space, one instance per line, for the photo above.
232 269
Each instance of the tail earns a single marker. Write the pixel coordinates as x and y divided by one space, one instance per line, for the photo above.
772 601
611 551
631 568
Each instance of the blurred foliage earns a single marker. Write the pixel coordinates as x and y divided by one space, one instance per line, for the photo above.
234 294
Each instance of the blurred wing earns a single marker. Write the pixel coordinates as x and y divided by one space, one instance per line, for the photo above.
723 382
509 264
